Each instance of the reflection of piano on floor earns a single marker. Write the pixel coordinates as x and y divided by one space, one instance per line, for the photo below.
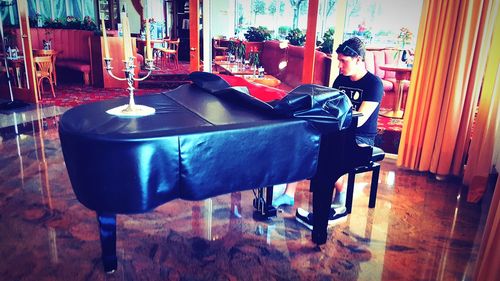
196 146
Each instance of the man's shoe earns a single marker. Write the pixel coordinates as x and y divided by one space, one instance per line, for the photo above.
304 217
335 216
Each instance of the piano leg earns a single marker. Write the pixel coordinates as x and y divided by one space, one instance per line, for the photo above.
331 166
322 199
107 231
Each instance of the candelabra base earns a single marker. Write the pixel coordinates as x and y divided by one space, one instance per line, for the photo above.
128 110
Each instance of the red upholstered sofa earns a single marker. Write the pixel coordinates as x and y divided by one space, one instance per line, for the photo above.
376 57
73 46
291 75
261 92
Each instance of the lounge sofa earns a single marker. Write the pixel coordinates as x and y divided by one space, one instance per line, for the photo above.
376 57
291 75
73 46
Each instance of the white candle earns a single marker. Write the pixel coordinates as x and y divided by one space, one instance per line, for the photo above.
105 39
127 42
149 53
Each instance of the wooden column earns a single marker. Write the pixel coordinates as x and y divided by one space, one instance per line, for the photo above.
194 35
312 19
28 93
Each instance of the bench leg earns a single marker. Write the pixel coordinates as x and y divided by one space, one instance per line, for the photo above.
350 191
374 186
263 206
107 231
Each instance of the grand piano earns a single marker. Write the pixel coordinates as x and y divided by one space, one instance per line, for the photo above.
187 150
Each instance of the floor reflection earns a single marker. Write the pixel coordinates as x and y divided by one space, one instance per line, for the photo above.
421 229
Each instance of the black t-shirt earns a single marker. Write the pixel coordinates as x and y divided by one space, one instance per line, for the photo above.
368 88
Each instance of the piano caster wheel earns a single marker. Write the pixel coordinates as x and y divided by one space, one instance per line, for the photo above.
110 265
111 272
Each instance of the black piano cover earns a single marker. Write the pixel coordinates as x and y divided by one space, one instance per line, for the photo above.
196 146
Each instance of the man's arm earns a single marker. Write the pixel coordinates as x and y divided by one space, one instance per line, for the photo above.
366 108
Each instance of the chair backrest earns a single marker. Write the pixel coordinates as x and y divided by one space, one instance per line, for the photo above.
44 65
173 44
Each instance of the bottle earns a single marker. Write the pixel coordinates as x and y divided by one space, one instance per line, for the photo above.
404 56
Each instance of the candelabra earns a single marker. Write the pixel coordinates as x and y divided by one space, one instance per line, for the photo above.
131 109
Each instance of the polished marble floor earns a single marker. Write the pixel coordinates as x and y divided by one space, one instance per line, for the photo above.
421 229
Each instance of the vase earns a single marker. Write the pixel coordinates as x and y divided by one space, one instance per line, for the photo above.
402 57
47 44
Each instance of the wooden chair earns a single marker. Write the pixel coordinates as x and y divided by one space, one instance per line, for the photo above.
170 52
44 71
218 49
53 56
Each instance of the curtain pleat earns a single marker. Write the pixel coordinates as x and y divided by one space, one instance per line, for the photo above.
32 8
447 76
485 30
484 137
489 256
436 130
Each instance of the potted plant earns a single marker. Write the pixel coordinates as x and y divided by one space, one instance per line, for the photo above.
236 49
36 21
405 36
72 23
255 36
283 31
89 24
326 46
240 52
296 37
253 58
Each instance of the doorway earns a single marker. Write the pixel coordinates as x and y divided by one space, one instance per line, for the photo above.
17 78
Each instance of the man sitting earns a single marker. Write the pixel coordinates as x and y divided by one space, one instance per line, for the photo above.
365 91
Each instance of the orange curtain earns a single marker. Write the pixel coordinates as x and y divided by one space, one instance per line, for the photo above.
489 257
453 45
486 132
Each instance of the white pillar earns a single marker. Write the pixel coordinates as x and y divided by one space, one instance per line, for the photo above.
207 36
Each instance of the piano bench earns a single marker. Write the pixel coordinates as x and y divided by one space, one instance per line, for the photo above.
377 156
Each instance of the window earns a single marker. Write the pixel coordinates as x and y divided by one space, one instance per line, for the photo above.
8 14
279 16
379 23
60 9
